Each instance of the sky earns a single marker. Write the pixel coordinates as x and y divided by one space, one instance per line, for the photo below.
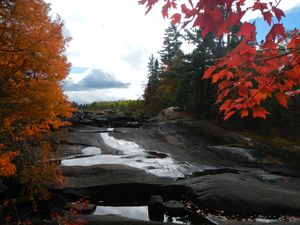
112 42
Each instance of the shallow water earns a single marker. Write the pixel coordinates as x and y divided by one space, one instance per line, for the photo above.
133 212
132 154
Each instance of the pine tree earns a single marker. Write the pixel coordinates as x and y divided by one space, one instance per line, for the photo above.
153 79
171 46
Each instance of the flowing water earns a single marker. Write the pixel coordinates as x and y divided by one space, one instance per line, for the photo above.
132 154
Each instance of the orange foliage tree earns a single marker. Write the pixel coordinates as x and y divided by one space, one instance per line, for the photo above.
252 72
32 66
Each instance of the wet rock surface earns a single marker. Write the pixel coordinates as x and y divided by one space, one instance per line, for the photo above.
244 195
222 171
175 209
113 183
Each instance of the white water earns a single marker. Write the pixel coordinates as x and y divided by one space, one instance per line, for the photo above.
91 151
132 155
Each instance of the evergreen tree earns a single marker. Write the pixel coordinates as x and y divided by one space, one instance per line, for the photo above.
153 79
171 46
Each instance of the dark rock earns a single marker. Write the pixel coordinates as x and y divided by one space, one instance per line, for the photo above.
154 154
281 170
235 153
110 182
81 138
266 177
101 119
156 208
86 121
125 124
214 171
244 194
258 223
105 119
175 209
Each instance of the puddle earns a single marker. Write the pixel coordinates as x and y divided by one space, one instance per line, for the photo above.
132 154
135 212
218 219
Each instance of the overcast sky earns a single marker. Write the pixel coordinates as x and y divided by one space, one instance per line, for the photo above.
111 44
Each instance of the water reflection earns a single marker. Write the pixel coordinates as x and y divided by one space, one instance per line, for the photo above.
138 212
135 212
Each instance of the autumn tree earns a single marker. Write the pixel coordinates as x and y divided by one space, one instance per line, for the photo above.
252 72
32 65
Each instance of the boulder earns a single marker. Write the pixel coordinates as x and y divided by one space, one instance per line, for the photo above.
156 208
170 113
175 209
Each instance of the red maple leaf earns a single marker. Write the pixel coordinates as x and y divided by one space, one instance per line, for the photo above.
149 5
225 106
186 11
268 17
176 18
282 99
217 14
165 9
228 3
277 30
244 113
247 30
208 72
278 13
219 75
228 115
259 6
260 112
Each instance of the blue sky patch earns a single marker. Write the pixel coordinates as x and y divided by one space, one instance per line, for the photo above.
291 21
78 69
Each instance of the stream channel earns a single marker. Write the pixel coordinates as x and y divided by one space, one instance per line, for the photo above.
133 155
154 162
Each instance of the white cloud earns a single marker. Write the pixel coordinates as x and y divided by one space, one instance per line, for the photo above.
95 79
116 37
